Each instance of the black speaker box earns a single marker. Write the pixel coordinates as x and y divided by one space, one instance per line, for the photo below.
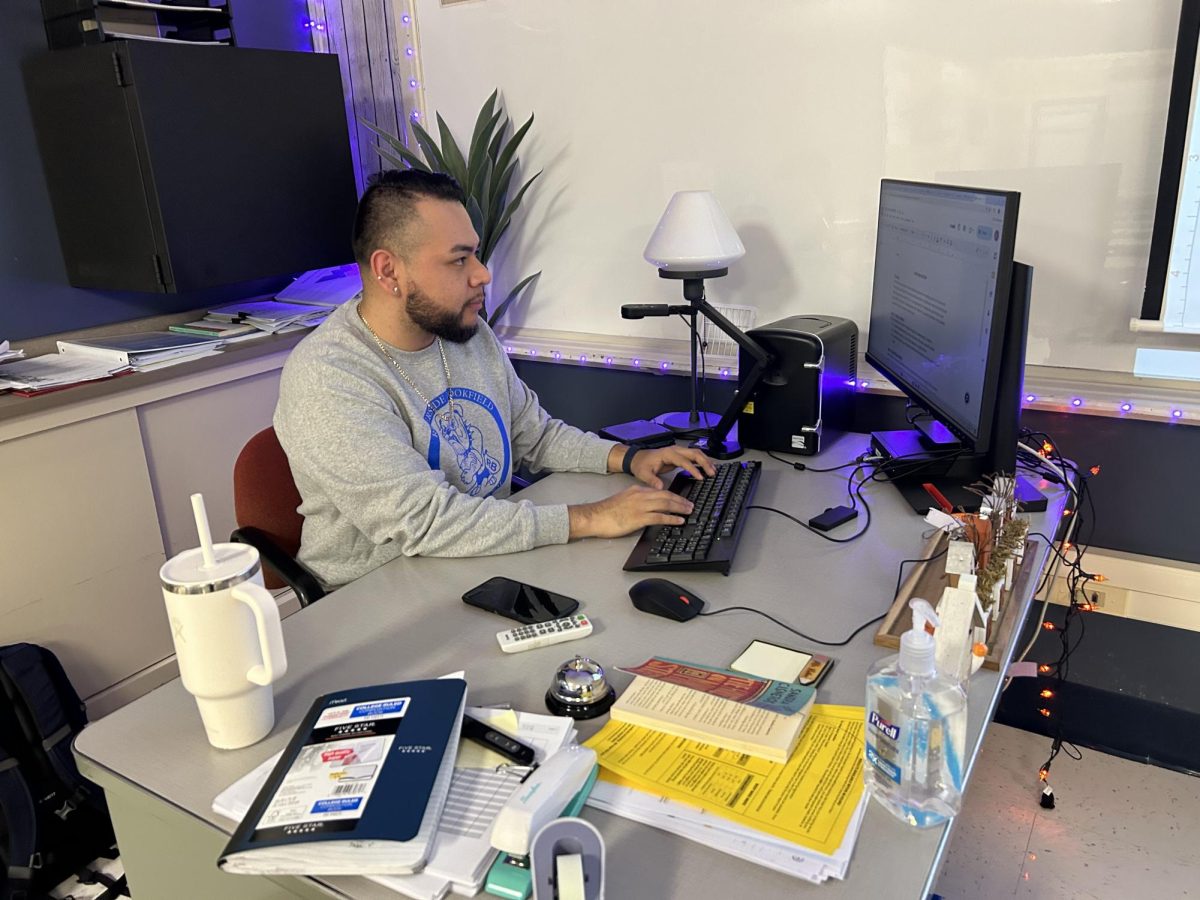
806 397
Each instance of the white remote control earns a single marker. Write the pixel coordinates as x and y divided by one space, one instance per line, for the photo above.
542 634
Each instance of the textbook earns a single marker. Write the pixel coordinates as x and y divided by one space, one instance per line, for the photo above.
360 787
697 716
220 330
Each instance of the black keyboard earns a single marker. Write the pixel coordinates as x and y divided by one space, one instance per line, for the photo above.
707 541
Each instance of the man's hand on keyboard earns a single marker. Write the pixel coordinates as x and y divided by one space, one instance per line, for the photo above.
628 511
647 465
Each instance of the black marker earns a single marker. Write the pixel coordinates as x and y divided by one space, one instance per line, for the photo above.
521 754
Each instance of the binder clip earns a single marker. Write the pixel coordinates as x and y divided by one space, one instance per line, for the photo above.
567 857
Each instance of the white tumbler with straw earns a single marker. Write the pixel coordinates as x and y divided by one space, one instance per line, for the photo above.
227 635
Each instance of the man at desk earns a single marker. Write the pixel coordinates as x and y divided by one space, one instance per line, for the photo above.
403 419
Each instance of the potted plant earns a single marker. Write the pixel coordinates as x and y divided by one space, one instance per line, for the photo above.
485 173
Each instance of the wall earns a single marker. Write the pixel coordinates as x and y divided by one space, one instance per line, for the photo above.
35 298
791 112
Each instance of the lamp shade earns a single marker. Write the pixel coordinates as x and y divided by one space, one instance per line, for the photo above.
694 235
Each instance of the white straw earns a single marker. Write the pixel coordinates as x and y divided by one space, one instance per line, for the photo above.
206 545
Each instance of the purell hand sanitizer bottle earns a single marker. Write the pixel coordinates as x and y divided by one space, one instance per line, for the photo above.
916 730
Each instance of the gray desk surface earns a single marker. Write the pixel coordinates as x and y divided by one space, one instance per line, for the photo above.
405 620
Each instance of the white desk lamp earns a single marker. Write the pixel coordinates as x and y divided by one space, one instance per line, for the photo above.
695 240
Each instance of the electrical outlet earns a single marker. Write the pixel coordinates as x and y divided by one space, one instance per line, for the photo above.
1106 599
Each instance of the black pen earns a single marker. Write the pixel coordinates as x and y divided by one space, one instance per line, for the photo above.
509 748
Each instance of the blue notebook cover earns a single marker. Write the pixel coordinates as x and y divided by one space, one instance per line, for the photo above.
362 766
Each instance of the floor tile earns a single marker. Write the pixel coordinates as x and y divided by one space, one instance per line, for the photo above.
1120 828
1132 802
1070 861
988 845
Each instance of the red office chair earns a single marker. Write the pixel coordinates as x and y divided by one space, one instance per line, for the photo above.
265 501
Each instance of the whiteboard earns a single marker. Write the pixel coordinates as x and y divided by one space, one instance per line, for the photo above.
790 111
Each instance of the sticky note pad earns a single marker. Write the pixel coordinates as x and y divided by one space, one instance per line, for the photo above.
771 661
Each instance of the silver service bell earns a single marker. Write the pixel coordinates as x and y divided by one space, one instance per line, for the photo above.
580 690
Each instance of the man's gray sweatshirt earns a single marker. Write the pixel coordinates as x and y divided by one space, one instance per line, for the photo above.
382 475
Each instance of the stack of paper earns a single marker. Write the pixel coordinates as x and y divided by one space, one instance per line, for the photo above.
272 316
481 784
53 372
800 817
143 350
325 287
7 353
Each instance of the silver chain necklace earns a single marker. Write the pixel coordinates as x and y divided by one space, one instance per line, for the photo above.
392 359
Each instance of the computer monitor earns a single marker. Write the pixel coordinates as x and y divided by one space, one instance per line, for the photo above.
949 316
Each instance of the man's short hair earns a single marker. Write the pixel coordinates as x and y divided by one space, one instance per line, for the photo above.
388 209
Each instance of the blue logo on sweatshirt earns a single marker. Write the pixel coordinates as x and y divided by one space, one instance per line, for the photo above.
480 473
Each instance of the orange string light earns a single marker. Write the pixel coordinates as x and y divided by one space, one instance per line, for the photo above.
1049 626
1043 668
1045 712
1047 694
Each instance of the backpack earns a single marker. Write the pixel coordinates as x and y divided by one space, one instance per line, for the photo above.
53 821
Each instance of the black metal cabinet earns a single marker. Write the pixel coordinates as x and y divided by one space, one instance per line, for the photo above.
173 168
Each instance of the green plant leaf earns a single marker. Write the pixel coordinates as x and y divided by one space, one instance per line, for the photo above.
430 148
396 148
476 214
456 166
499 193
485 112
512 295
502 225
497 139
477 159
484 123
509 153
394 161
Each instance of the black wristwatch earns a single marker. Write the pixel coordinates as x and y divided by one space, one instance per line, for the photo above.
627 460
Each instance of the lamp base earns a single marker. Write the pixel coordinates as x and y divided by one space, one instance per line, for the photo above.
726 449
683 421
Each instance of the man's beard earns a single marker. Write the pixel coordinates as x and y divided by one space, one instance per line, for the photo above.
437 321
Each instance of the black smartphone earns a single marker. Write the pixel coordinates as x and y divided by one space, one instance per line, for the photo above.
516 600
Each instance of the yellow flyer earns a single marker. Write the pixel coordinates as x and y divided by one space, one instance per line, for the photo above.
808 800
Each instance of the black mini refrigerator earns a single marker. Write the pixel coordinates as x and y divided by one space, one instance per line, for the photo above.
806 397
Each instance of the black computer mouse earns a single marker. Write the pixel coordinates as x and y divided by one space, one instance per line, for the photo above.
665 598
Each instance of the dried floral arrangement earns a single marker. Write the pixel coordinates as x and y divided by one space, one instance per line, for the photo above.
999 539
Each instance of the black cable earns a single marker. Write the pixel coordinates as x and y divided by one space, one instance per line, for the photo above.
818 532
801 467
904 562
795 631
1077 578
854 489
